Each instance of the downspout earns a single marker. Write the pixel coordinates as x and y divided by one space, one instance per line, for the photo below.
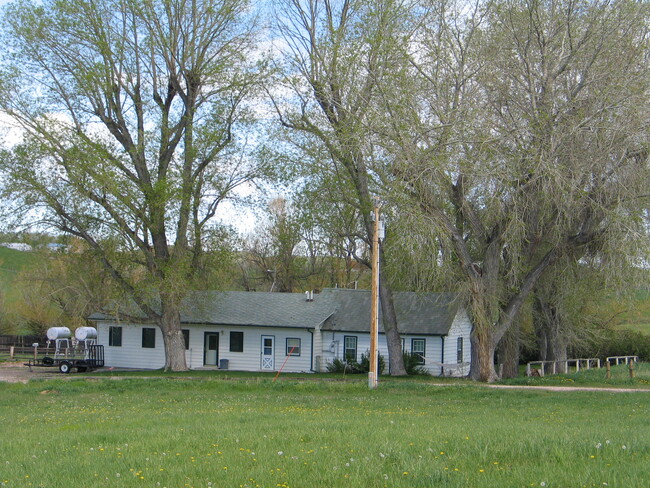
442 359
311 354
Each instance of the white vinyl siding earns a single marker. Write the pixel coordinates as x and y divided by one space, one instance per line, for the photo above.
460 327
333 348
132 355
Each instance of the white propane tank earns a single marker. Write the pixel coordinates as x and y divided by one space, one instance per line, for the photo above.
85 333
54 333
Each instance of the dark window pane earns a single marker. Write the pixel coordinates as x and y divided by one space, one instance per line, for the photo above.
115 336
236 342
148 338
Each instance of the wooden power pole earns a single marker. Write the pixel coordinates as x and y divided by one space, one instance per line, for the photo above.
373 374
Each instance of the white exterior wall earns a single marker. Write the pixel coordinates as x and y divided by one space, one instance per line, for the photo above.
333 344
132 355
460 327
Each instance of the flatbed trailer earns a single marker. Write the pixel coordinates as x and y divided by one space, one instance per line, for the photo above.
89 359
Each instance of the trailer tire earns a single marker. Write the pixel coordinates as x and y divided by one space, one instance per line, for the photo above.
64 367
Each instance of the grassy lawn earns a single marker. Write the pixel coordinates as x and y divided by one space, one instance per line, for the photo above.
254 433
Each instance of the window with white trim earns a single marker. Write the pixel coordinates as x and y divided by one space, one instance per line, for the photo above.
293 346
350 348
418 348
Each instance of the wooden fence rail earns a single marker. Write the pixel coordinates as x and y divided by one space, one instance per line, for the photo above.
616 360
541 368
19 353
554 367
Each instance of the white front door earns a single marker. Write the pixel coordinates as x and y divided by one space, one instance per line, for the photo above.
267 353
211 348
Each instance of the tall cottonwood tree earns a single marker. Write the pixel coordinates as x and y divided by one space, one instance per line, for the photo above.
129 111
337 51
520 133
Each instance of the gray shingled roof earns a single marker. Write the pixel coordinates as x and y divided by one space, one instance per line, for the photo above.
417 313
335 309
255 308
249 309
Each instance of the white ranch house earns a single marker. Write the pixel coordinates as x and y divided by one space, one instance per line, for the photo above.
254 331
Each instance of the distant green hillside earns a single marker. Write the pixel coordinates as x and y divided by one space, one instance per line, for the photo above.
12 262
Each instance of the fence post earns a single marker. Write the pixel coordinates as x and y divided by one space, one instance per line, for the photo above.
631 364
608 367
11 352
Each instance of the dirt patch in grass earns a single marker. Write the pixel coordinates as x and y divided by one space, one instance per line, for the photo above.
19 373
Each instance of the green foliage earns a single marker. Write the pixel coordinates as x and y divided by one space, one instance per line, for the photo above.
354 367
614 342
172 95
412 364
340 366
364 364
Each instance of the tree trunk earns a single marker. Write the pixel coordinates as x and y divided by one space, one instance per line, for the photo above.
393 340
482 367
508 353
481 338
550 333
170 325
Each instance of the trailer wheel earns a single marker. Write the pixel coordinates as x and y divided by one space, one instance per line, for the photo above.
64 367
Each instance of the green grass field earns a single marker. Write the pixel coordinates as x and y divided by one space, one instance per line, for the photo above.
255 433
12 262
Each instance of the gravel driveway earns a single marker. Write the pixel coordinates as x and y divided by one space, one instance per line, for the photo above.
19 373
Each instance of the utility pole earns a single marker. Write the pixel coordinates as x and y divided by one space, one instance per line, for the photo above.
374 302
